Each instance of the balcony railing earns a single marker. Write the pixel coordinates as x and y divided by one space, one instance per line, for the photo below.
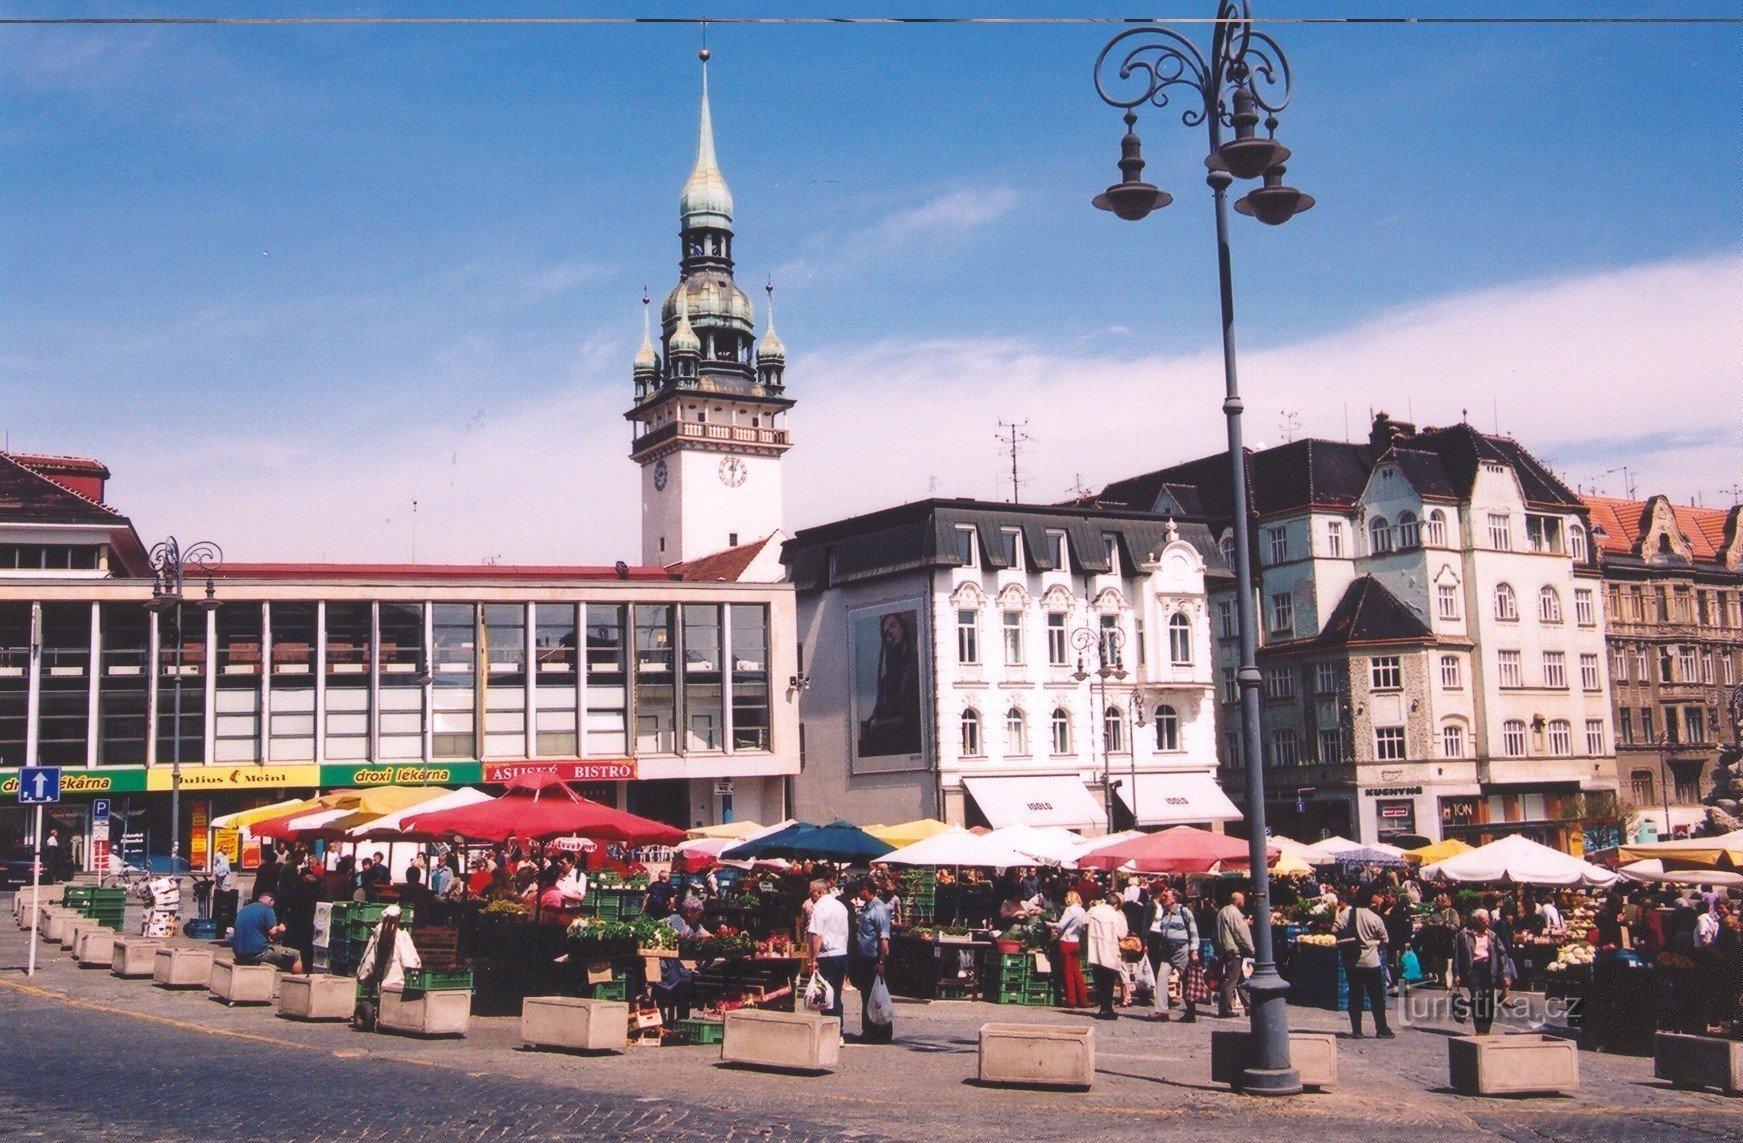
699 430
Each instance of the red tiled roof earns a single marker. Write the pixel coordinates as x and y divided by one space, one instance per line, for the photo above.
27 495
71 465
724 566
1623 521
293 571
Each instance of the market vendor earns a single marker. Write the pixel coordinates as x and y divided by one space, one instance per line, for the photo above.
388 954
571 881
257 927
657 902
687 921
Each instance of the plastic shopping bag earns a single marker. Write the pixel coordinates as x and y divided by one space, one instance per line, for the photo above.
819 997
879 1008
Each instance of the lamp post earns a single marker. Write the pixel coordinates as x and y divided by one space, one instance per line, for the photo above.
1245 74
1105 643
170 563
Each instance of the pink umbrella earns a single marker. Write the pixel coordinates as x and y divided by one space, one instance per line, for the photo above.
1182 849
539 806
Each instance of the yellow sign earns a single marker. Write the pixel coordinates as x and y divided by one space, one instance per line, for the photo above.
245 777
199 814
229 843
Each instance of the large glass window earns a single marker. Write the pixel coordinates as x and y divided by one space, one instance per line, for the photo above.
400 736
1016 733
970 729
967 637
750 676
1058 654
704 700
122 701
241 626
186 623
1179 639
350 663
1167 728
606 720
655 686
1385 673
1506 603
505 681
454 666
65 699
1511 673
1513 738
1389 743
14 681
556 649
1012 630
1061 731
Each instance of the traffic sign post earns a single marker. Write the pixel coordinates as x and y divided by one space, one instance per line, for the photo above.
37 786
99 811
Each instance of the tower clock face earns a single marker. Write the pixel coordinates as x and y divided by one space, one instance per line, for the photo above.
733 471
661 475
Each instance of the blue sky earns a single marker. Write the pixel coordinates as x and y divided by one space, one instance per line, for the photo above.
286 279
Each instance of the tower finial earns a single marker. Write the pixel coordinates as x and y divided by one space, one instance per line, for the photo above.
706 200
771 354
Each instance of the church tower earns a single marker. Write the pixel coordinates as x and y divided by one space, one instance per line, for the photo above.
710 411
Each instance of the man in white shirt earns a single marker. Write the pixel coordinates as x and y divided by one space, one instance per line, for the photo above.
572 884
828 932
1551 916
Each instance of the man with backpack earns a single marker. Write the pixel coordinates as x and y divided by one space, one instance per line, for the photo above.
1173 940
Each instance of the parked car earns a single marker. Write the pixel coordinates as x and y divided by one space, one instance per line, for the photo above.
15 867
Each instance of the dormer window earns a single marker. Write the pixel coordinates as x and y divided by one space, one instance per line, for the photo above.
1011 547
1111 548
1057 545
965 546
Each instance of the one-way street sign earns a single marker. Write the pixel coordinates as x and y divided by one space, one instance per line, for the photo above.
39 785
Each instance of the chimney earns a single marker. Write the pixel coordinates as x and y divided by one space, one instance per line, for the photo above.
1387 432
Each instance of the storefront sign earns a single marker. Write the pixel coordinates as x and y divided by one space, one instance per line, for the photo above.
1395 817
235 777
229 843
199 820
1461 811
117 780
604 770
403 774
1392 791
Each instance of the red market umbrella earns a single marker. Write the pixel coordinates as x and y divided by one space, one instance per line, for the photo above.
1182 849
538 807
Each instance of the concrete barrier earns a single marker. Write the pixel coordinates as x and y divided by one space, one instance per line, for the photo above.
134 956
1699 1061
785 1041
441 1013
574 1024
317 997
74 928
54 922
181 967
96 948
1513 1065
1314 1054
242 983
1037 1055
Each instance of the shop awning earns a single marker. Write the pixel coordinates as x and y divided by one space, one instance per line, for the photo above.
1176 799
1054 800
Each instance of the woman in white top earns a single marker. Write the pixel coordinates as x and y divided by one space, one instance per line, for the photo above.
1073 992
1106 925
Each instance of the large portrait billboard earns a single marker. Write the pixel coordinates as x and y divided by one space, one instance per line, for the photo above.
888 727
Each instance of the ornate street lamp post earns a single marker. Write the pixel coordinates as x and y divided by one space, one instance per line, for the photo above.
1105 643
1245 75
170 563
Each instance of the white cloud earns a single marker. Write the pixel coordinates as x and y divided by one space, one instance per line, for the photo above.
939 221
1635 366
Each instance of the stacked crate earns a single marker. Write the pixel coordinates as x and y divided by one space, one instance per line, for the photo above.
920 896
353 921
108 907
1017 982
438 980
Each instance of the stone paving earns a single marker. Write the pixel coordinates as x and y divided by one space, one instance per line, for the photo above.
84 1054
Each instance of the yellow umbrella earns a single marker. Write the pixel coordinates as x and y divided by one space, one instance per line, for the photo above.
242 819
908 833
1439 851
732 831
379 802
1291 865
1708 852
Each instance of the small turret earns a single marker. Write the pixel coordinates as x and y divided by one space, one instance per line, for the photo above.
771 354
683 348
647 363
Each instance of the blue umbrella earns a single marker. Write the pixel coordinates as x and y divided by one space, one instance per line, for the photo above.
838 841
746 850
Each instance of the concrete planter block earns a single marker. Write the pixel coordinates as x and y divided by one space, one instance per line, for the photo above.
134 956
242 983
1037 1055
574 1024
71 933
1513 1065
181 967
96 948
316 997
444 1013
1314 1054
786 1041
1699 1061
54 922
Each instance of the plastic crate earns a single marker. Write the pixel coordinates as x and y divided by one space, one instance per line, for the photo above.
438 980
699 1031
611 990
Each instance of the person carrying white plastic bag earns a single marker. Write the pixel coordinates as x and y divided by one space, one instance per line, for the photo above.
819 997
870 951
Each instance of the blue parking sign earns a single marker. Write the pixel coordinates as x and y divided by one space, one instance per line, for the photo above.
99 810
39 785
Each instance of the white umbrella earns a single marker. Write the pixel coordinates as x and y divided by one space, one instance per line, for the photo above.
390 825
1653 870
1048 845
1519 859
1300 849
957 846
1332 846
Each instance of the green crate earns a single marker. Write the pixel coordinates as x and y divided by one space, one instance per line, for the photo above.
438 980
699 1031
612 990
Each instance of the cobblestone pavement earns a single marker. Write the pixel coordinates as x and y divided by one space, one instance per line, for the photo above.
85 1055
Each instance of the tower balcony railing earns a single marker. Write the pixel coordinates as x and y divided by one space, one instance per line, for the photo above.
697 430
